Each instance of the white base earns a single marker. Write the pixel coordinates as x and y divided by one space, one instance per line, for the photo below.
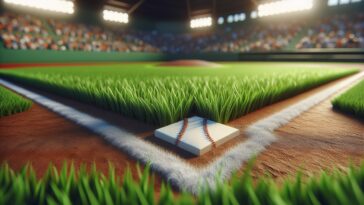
194 139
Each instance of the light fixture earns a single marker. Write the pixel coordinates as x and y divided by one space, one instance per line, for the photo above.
254 14
333 2
220 20
284 6
344 1
236 17
61 6
242 16
230 18
115 16
201 22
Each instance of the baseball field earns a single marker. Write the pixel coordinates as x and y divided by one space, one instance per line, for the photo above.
99 120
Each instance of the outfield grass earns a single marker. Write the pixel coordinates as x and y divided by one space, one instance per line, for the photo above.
352 101
11 103
77 186
162 95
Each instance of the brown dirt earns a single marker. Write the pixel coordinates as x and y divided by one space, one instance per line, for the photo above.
319 139
39 136
194 63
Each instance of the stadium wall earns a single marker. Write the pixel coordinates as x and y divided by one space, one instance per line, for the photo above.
205 56
46 56
327 55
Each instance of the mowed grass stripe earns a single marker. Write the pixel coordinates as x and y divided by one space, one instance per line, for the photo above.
11 103
162 96
352 101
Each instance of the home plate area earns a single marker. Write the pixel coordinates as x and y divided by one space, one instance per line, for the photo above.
196 135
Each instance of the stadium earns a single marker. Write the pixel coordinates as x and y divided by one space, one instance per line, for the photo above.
182 102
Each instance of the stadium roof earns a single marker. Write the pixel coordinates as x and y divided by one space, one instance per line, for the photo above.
173 9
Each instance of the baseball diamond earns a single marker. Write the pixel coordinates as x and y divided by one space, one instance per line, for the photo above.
181 102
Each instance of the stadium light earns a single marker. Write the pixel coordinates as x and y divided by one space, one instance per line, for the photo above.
236 17
201 22
220 20
61 6
333 2
242 16
344 1
284 6
254 14
230 18
341 2
115 16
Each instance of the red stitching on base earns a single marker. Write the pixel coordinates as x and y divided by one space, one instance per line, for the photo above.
204 123
182 131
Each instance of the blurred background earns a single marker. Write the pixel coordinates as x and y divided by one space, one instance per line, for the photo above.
168 29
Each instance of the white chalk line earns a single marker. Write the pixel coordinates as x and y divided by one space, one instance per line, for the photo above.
177 171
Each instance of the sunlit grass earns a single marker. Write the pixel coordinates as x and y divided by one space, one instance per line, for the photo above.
352 101
11 103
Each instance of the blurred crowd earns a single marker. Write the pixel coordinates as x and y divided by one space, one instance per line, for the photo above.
24 32
29 32
256 38
177 43
340 31
72 36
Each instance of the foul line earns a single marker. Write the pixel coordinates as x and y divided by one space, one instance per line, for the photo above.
173 168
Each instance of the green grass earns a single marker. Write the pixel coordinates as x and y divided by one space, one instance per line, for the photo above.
11 103
352 101
162 95
78 186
